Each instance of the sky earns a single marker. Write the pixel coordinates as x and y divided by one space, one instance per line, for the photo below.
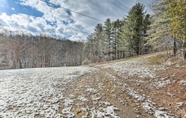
60 18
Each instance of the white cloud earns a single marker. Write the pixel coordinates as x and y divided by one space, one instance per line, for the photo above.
13 8
78 29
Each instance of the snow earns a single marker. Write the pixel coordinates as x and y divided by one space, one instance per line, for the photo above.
182 83
91 90
110 110
146 102
81 98
45 91
158 113
133 67
41 91
140 68
180 104
30 92
67 112
104 112
68 102
161 84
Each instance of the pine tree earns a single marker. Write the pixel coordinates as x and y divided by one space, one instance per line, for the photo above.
146 26
116 29
177 15
108 31
96 48
161 30
132 31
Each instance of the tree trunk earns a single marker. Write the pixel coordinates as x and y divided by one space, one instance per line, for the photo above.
20 64
138 47
109 47
174 47
184 51
14 64
138 50
123 54
115 51
184 55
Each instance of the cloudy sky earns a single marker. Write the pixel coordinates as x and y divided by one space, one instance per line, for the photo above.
60 18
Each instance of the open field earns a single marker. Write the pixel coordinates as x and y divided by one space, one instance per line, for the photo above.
130 88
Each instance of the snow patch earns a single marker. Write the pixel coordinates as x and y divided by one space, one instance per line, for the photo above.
158 113
132 68
161 84
67 112
104 112
182 83
30 92
91 90
81 98
68 102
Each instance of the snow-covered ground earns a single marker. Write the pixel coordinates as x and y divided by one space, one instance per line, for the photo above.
135 67
51 92
26 93
45 92
139 68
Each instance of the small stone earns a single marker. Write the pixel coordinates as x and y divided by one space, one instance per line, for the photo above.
137 116
79 112
138 112
162 109
137 104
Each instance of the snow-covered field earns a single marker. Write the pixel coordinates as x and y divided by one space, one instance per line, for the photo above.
135 67
46 92
101 91
26 93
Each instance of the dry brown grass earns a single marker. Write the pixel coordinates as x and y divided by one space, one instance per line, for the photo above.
177 93
157 59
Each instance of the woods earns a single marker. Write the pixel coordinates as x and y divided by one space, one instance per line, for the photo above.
120 38
140 33
167 29
137 33
23 51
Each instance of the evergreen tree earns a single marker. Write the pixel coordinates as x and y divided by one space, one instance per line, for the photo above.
177 19
119 38
146 26
133 31
108 31
161 30
116 29
96 48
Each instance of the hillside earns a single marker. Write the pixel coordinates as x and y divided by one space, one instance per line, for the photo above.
138 87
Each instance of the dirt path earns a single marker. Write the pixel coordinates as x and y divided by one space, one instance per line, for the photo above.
102 90
130 88
160 89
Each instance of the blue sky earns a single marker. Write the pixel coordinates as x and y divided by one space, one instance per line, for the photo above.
50 17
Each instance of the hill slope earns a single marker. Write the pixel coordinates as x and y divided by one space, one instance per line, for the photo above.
127 88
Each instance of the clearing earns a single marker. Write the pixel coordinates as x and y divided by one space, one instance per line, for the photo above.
138 87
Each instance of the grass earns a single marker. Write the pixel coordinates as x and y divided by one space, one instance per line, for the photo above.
157 59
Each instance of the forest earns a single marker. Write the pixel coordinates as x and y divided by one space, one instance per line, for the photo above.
28 51
136 34
140 33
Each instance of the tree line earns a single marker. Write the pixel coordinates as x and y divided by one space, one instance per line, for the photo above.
137 33
140 33
28 51
118 39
